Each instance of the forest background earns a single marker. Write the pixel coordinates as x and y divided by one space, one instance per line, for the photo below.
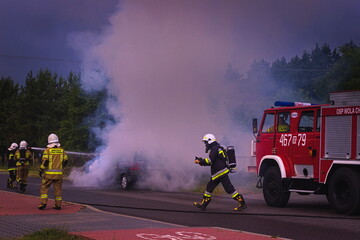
49 103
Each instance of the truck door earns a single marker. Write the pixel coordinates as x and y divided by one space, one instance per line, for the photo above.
307 143
266 136
283 134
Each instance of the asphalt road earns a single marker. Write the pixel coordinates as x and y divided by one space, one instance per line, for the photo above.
305 217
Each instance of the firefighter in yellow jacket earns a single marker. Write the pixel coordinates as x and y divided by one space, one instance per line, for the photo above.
54 159
10 156
23 157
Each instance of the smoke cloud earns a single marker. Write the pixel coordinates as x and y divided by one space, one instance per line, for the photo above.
165 63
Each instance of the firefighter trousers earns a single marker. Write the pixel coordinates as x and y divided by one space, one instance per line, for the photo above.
224 180
45 185
22 174
12 178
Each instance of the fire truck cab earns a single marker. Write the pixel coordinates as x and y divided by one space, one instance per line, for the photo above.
307 148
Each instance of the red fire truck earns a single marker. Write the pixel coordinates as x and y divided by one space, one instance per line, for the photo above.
306 148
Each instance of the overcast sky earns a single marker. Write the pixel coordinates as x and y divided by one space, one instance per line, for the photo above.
37 34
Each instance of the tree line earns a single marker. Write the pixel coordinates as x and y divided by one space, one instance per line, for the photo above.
321 71
310 77
49 104
303 73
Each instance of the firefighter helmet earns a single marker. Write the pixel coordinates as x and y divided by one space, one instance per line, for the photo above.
23 144
209 138
13 146
53 140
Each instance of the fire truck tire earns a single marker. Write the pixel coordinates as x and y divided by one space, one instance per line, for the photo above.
344 191
273 191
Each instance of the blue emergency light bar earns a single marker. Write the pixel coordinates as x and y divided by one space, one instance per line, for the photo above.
291 104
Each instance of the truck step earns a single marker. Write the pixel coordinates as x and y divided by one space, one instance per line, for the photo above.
301 191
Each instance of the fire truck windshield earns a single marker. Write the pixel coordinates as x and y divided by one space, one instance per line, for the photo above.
268 126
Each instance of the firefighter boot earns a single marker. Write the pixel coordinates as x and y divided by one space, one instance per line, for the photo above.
23 187
242 205
12 184
203 204
42 206
56 207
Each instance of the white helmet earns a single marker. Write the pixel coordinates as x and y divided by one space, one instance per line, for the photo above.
23 144
13 146
53 140
209 138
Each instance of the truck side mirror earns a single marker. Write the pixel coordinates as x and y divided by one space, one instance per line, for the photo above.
254 125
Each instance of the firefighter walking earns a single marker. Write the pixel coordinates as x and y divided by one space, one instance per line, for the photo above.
10 156
219 173
54 159
23 157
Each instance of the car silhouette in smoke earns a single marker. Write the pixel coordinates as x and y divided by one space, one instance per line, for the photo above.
128 174
136 173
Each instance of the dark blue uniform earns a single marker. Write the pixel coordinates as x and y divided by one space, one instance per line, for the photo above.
219 174
219 170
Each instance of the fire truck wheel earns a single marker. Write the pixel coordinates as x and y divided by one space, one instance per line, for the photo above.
273 192
124 182
344 191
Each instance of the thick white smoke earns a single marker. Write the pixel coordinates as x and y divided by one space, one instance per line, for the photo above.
165 62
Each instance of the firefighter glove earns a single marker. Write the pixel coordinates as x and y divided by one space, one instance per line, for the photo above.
198 160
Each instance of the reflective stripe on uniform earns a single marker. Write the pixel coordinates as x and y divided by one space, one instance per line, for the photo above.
45 156
208 161
44 196
56 151
207 194
234 194
222 153
219 173
58 198
53 171
12 169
